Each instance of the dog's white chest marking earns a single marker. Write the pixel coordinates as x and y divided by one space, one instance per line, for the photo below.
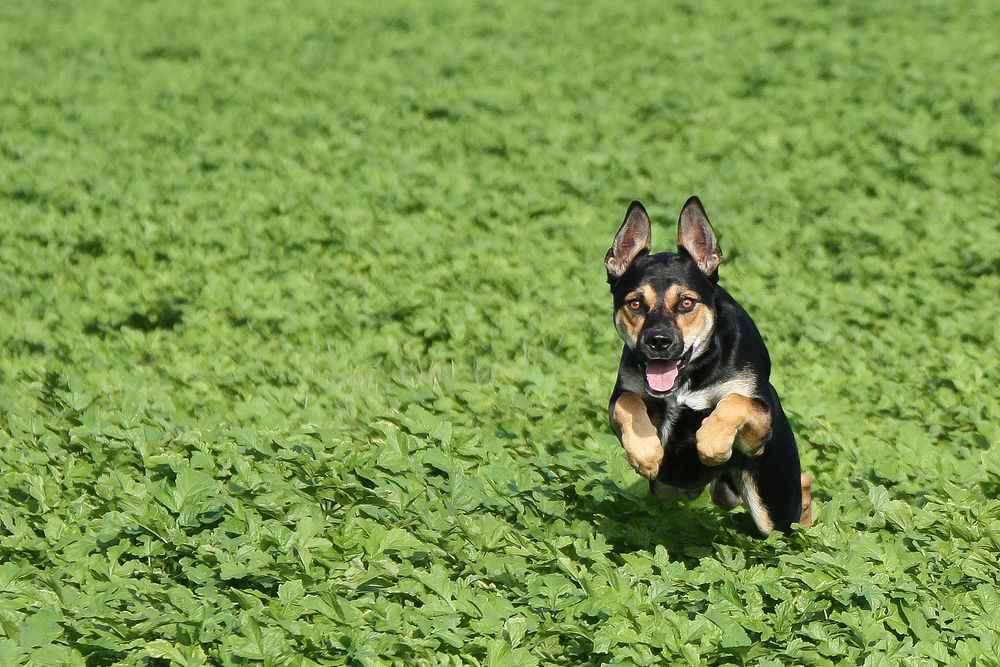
669 417
703 399
708 397
693 399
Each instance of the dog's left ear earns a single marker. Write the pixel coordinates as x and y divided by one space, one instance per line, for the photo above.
696 238
632 240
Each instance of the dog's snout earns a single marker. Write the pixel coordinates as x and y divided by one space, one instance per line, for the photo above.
659 342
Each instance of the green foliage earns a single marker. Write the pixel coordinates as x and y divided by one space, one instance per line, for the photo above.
305 345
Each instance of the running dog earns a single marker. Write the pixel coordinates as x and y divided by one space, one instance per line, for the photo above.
693 404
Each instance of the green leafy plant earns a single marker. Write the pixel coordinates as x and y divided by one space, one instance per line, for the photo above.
305 345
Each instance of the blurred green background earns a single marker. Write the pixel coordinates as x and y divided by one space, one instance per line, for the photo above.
305 344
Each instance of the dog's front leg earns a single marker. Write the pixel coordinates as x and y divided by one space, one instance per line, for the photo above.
736 420
638 434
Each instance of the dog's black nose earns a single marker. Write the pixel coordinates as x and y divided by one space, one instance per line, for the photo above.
659 342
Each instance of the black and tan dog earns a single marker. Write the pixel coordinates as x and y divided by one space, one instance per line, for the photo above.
693 404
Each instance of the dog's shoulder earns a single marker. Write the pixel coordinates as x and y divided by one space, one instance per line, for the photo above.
737 362
739 337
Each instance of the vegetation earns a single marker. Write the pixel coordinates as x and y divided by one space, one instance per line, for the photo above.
305 345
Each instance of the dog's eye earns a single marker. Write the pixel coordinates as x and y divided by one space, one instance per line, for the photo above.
635 305
686 305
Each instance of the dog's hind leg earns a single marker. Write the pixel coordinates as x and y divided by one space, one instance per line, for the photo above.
771 484
774 490
767 515
666 493
725 494
807 500
750 492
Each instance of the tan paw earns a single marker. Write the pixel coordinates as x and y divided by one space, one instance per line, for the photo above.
715 441
644 455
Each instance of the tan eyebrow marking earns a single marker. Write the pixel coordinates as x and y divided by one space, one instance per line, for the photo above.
644 293
629 323
677 293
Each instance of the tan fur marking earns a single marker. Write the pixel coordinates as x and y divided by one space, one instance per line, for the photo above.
694 324
676 293
736 420
672 296
807 501
629 324
638 435
649 294
752 499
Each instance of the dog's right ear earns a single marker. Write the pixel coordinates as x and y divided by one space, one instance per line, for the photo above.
632 240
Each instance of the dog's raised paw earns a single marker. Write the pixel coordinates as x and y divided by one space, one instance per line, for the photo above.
715 441
644 455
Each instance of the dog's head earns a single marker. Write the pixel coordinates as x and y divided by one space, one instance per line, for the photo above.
664 303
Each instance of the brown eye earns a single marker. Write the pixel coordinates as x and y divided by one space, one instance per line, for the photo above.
635 305
686 305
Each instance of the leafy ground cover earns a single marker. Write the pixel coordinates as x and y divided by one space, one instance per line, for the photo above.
305 346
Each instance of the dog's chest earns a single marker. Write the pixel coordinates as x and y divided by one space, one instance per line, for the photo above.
670 414
679 423
684 411
706 398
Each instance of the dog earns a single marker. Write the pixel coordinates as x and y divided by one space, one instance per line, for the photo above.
693 404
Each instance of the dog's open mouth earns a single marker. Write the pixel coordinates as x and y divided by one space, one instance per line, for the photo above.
661 376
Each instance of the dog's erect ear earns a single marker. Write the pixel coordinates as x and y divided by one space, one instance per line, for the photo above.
696 237
632 240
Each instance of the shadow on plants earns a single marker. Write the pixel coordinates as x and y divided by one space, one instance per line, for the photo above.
631 521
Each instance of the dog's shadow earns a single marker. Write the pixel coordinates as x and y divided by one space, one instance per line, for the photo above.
631 520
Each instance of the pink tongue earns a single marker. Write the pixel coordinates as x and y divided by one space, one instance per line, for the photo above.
661 375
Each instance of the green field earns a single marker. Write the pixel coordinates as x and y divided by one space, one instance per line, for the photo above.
305 341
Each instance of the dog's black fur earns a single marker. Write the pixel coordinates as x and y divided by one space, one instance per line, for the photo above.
716 352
